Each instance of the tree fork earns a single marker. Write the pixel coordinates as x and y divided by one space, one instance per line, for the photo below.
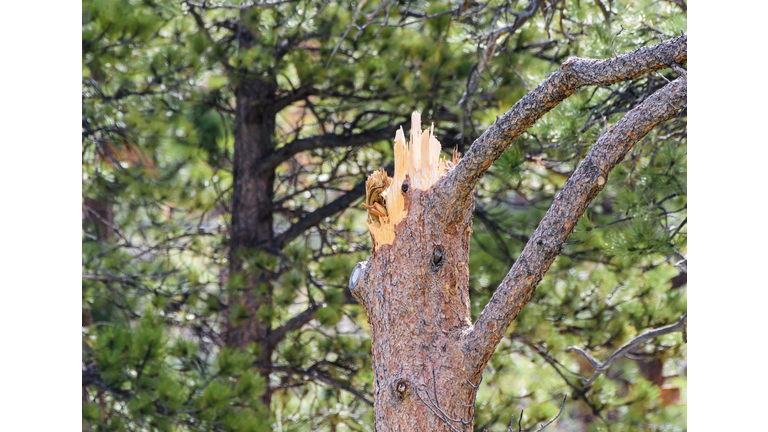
428 357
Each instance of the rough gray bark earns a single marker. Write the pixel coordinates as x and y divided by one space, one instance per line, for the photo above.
428 357
562 217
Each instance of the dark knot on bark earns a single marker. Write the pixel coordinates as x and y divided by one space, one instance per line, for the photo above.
401 389
437 258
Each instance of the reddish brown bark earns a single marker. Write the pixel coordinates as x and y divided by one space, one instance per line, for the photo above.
251 216
415 292
428 357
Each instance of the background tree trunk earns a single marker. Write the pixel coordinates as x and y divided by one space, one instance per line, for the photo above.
251 217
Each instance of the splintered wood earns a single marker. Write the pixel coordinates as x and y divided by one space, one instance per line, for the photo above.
417 165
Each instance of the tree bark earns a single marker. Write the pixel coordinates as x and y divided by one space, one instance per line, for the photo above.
428 357
562 217
252 197
416 294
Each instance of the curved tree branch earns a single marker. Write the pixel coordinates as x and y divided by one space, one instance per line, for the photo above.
293 96
318 215
275 336
339 204
315 376
602 367
548 240
573 74
324 141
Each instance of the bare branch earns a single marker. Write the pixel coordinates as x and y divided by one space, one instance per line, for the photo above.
316 376
520 19
339 204
555 418
573 74
603 9
548 241
614 40
324 141
474 79
425 18
679 70
240 7
437 410
317 216
295 323
296 95
602 367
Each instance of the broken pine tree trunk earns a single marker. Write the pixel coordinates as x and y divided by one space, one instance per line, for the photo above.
416 294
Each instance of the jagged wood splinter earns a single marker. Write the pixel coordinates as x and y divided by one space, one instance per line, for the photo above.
417 165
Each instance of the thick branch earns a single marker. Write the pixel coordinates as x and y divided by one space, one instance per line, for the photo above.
573 74
324 141
549 238
323 212
295 323
602 367
318 215
315 376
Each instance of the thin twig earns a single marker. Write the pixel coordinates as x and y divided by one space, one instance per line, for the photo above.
614 38
679 70
558 415
241 7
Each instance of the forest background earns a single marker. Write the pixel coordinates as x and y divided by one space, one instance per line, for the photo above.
224 154
525 374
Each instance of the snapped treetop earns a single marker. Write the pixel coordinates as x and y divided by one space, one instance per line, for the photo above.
417 166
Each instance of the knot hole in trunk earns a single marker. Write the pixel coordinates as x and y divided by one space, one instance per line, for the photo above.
437 258
402 389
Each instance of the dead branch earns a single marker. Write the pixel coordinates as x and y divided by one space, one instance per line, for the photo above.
573 74
491 38
295 323
240 7
602 367
437 410
562 405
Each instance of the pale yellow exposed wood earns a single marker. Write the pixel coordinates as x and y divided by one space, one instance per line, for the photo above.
418 164
395 200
